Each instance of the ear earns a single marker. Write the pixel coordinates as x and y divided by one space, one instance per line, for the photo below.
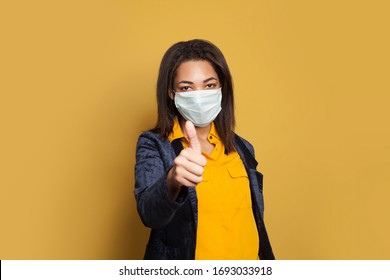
171 94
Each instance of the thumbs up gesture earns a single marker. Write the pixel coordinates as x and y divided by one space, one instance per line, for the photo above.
192 137
188 165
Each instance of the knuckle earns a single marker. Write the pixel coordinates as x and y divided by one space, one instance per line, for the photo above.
184 152
185 182
179 171
178 161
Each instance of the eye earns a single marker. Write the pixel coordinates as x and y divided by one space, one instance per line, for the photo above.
185 88
210 85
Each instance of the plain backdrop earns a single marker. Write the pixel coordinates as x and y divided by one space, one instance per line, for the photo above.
77 84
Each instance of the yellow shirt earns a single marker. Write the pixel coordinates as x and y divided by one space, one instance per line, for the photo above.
226 226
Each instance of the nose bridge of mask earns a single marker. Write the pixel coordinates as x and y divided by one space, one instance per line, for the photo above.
197 93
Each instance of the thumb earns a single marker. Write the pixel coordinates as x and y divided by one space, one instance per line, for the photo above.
192 137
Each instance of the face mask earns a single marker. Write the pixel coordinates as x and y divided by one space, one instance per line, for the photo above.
200 107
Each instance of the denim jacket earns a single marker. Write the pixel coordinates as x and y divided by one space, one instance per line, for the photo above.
174 222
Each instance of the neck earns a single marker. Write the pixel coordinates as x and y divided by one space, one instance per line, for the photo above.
201 132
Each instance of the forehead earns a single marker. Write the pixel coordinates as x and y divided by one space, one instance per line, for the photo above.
195 70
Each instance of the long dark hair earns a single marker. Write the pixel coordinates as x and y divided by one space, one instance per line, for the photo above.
173 58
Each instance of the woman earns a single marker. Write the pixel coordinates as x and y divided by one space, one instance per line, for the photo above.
196 183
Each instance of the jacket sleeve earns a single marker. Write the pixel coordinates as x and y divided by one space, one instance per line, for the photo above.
154 205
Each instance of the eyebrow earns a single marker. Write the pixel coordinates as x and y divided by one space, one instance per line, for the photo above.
191 83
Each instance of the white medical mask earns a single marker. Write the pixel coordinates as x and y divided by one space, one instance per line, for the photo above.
200 107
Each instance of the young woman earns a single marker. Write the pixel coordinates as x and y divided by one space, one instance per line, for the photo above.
196 183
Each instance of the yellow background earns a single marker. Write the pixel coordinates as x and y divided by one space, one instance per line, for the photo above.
78 86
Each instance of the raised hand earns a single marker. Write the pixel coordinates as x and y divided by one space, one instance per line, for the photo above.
188 165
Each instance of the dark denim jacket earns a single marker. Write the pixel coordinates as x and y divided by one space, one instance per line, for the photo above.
174 223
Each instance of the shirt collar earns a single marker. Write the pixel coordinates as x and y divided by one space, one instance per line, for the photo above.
213 131
178 133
